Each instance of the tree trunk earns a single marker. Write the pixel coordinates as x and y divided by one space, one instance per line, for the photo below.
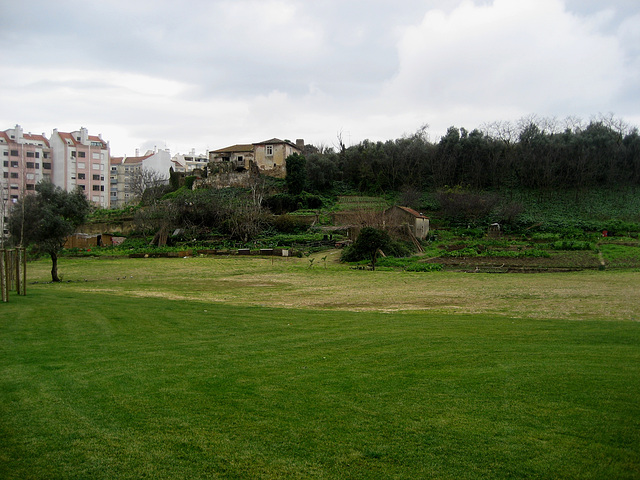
54 267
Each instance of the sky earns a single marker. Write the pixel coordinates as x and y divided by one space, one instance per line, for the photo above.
204 75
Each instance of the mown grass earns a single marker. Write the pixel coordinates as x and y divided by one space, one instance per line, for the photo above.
140 372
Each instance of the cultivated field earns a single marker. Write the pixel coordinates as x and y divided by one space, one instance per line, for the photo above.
248 367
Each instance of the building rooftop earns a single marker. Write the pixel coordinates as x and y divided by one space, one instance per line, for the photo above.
235 148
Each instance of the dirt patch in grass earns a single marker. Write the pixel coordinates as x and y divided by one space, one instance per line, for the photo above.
329 285
559 262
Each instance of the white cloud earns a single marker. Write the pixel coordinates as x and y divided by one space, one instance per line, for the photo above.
208 74
526 56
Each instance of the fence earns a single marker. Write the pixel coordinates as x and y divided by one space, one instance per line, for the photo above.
13 272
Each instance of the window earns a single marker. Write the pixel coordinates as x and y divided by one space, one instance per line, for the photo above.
5 153
5 163
73 153
95 166
31 165
81 165
269 150
14 186
82 154
14 164
95 156
46 166
96 188
102 188
45 155
81 176
14 153
81 187
14 175
37 166
31 176
37 154
96 177
5 174
31 154
31 186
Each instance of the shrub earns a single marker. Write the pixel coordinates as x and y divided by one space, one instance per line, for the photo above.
288 224
424 267
572 245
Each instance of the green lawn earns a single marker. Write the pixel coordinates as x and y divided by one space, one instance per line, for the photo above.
143 377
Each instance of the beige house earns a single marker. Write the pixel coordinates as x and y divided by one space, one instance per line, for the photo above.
405 217
268 156
236 156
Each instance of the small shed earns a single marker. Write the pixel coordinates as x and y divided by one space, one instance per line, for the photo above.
416 222
86 240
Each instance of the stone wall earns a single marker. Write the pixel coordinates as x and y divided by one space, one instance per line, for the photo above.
123 227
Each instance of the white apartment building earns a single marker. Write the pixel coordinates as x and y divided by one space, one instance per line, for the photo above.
126 174
189 162
81 160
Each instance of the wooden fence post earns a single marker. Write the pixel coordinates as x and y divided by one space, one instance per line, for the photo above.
4 274
23 259
16 259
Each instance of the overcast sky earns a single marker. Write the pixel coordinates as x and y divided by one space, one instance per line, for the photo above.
208 74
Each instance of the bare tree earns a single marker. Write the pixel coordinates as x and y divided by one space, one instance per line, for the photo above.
617 125
257 185
246 220
573 124
341 146
147 182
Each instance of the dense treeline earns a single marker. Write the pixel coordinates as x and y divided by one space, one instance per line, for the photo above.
532 153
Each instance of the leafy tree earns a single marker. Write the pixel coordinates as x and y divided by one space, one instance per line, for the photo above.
367 245
296 173
46 219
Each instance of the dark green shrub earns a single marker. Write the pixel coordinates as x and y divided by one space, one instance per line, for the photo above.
572 245
288 224
188 182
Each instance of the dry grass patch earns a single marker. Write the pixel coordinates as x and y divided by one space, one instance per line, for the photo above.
280 282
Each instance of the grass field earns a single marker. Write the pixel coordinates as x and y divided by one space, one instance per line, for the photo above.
267 368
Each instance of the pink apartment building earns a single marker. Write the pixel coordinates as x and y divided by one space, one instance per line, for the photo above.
81 160
25 161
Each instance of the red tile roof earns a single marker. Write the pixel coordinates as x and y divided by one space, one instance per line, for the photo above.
235 148
276 141
92 138
27 136
412 212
